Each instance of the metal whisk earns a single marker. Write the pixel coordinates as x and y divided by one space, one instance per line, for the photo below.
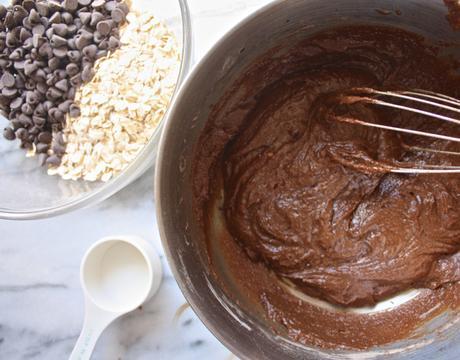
387 98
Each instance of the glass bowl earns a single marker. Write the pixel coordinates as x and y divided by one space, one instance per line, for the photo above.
28 192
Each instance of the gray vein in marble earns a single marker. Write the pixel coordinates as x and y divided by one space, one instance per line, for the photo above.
19 288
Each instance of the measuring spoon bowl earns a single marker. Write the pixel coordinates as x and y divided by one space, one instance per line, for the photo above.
118 274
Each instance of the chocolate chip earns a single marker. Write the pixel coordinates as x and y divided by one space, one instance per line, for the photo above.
86 61
90 51
113 43
81 41
104 27
31 98
58 115
87 73
24 34
77 22
25 120
55 18
29 84
58 41
11 40
45 50
17 54
62 85
27 144
39 110
98 4
74 111
38 29
16 104
19 65
8 133
34 16
101 53
85 33
42 147
85 17
42 8
9 92
60 74
39 121
53 63
60 29
37 40
42 88
28 4
71 93
64 106
40 74
118 15
72 69
27 109
53 160
7 79
53 93
15 123
51 112
58 149
19 13
59 138
5 63
71 44
3 11
84 2
60 52
49 33
95 18
72 29
74 55
76 80
110 5
97 37
34 131
27 24
70 5
22 133
9 20
67 18
47 105
30 67
104 45
45 137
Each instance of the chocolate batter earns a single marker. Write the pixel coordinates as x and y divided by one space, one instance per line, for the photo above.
307 199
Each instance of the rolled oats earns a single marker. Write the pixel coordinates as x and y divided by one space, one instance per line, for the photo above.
123 104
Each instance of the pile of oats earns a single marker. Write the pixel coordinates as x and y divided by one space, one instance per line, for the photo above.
123 104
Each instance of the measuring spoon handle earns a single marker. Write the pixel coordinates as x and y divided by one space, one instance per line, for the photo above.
96 320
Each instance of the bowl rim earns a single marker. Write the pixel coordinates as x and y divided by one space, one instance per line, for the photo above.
143 160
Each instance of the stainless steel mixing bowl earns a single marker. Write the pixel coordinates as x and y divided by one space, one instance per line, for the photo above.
241 330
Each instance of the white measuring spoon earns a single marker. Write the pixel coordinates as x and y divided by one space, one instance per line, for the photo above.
118 274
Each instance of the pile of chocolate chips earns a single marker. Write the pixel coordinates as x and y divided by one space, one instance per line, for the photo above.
47 49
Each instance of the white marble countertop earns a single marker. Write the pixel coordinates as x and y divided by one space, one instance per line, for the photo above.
40 297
